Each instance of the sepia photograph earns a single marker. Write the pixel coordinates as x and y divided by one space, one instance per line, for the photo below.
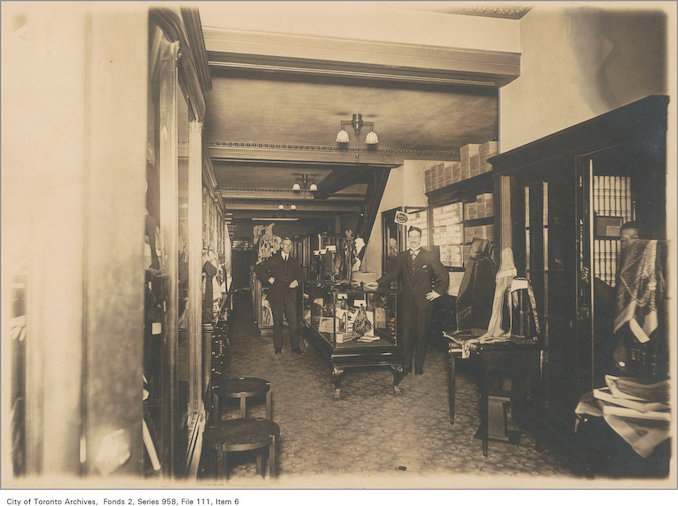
337 246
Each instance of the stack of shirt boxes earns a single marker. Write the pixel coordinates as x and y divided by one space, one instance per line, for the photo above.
441 174
473 158
448 233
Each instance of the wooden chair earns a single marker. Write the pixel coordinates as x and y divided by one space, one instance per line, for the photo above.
243 389
242 434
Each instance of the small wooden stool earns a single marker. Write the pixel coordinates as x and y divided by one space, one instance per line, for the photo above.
242 388
241 434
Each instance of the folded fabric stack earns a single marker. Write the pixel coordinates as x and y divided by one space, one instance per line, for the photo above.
638 410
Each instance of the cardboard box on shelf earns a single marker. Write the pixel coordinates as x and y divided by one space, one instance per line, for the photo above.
428 180
447 174
467 150
465 153
470 211
456 172
475 165
487 150
467 253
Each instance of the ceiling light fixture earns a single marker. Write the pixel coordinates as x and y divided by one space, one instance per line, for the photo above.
304 184
371 140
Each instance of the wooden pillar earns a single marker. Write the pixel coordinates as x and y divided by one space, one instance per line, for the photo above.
503 206
195 246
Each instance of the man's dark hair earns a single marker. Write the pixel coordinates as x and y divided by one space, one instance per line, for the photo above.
286 238
414 229
628 225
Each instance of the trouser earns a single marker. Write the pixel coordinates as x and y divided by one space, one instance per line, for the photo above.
416 321
286 305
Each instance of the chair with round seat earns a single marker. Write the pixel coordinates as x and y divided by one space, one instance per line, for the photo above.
243 389
242 434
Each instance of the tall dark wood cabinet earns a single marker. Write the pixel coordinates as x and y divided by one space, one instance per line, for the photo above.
569 193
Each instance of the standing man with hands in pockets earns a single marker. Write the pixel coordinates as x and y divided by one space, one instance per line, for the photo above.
419 269
285 276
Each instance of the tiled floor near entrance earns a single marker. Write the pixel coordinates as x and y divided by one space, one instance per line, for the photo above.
369 436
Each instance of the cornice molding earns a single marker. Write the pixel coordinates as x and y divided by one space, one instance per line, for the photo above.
234 193
253 52
328 149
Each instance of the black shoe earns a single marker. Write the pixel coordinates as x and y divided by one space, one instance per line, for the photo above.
419 370
298 351
278 351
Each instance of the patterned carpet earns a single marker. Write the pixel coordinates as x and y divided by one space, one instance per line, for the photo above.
370 438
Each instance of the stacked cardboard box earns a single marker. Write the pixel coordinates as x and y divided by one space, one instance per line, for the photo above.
467 253
451 255
456 172
428 179
465 154
441 175
448 233
448 177
485 205
478 232
486 150
470 210
475 165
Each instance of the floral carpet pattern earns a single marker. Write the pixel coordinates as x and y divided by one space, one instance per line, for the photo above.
369 437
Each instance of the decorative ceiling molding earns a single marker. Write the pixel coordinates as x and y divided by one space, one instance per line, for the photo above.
278 53
327 155
313 206
277 194
504 11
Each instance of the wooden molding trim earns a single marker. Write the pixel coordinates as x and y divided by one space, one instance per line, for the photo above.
191 17
337 57
645 118
173 27
309 206
329 155
286 195
208 176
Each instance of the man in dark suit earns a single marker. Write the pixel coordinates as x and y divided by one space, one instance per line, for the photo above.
424 279
285 276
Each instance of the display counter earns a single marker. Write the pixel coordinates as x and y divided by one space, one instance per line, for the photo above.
351 326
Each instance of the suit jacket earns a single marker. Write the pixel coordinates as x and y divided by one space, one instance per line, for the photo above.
284 274
420 276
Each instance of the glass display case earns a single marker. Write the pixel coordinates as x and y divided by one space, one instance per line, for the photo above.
353 327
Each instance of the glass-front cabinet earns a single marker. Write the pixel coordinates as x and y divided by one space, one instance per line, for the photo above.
353 327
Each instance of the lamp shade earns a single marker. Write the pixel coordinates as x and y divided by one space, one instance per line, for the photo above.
281 206
342 137
313 187
296 187
293 207
371 138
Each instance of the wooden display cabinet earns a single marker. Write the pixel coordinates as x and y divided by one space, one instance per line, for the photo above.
611 166
329 313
